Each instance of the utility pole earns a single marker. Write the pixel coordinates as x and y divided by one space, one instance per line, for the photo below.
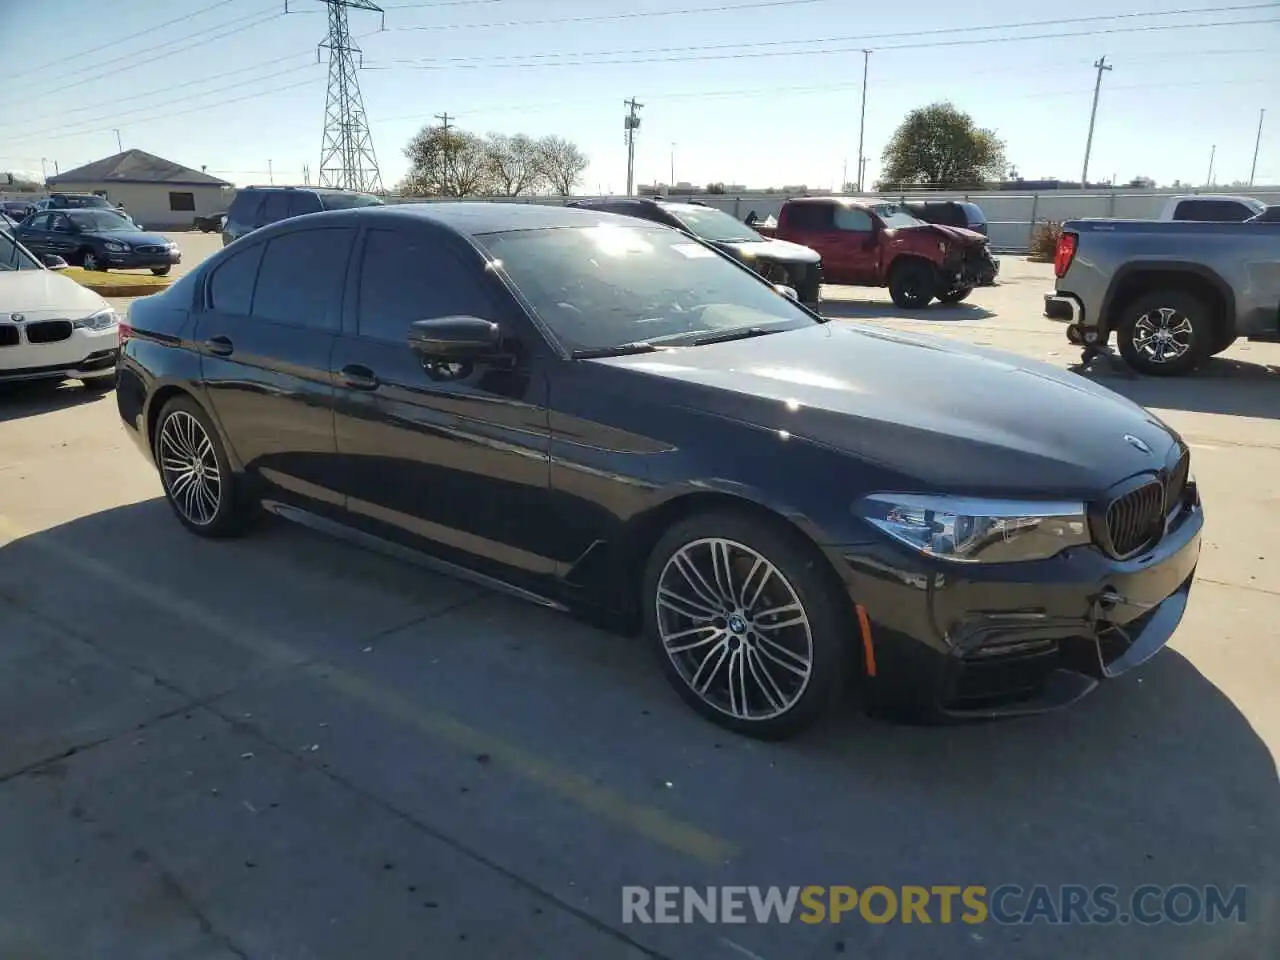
1101 66
1212 152
347 159
119 145
862 124
844 174
448 152
673 164
444 119
1256 143
271 176
631 123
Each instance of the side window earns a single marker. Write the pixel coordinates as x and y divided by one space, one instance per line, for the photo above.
406 277
853 221
300 282
231 287
1190 210
1230 210
39 222
60 224
275 207
811 216
244 206
303 202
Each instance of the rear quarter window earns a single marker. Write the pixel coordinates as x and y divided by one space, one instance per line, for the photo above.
244 206
810 216
231 286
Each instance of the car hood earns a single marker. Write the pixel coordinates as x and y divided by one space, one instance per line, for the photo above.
41 294
132 237
949 417
779 251
954 234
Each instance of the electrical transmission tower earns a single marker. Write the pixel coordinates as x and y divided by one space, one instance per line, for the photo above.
347 159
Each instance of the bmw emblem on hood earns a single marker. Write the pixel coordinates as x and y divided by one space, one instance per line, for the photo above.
1136 443
16 317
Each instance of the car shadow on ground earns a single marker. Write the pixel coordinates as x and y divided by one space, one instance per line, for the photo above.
1221 385
869 310
1157 777
30 399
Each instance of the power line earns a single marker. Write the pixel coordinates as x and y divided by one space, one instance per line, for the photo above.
111 44
607 17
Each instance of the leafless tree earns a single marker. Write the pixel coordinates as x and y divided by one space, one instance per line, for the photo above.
514 164
447 163
562 163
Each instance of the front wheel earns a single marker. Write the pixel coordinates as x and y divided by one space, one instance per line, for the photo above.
198 481
160 271
91 261
1165 333
745 624
912 284
956 295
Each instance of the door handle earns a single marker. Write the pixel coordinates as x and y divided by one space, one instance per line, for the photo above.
358 377
219 346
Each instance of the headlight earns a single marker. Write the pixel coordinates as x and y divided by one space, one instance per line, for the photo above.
104 319
966 530
115 245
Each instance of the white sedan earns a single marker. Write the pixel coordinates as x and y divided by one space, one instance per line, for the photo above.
51 328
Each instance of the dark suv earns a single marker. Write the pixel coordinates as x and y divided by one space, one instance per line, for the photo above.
950 213
778 261
256 207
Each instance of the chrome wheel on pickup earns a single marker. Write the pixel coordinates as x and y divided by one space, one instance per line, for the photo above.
1165 333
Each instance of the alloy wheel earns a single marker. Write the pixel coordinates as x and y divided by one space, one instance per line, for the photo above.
734 628
90 261
189 467
1162 335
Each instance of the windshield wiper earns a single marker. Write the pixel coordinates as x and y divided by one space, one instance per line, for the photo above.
621 350
741 333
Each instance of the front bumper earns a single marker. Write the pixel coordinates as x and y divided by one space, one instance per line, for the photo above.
804 278
952 643
974 268
141 259
83 354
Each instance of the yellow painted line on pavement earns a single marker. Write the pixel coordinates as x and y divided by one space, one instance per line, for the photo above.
648 821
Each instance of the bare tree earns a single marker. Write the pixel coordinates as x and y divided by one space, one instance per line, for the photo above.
514 163
447 163
562 163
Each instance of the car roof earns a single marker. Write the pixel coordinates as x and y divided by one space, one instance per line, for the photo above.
285 187
1236 198
471 219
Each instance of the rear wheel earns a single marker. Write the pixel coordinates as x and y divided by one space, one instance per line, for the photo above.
161 271
956 295
747 627
912 284
198 482
1165 333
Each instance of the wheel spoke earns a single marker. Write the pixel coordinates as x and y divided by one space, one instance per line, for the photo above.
697 582
704 635
739 703
715 657
765 681
783 657
778 618
684 606
722 570
752 587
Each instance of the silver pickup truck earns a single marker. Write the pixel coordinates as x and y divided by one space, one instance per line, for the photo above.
1173 293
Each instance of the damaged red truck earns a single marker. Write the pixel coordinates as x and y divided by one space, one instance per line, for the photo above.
878 244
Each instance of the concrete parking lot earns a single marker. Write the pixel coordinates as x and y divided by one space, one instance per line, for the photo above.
281 747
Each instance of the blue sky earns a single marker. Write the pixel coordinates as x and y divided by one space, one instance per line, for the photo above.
739 87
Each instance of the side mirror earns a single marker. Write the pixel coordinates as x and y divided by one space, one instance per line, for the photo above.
455 339
786 291
53 261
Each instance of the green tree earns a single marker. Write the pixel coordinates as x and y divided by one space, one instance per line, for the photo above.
939 146
447 163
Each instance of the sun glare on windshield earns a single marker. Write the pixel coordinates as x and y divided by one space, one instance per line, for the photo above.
615 241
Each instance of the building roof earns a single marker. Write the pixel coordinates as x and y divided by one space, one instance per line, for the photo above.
136 166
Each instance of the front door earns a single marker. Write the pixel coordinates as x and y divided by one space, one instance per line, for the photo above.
858 240
34 235
266 332
452 459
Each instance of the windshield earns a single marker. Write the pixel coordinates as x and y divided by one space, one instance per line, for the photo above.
94 202
715 225
602 287
345 201
101 221
13 256
895 216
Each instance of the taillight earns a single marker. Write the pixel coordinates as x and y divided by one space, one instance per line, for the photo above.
123 333
1065 253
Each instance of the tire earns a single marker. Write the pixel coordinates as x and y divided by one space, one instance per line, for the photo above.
89 260
1223 343
181 432
793 577
955 296
1188 321
912 284
161 271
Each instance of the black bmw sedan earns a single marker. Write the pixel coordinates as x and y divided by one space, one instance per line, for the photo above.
607 415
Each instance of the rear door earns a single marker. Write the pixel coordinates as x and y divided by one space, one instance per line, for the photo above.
271 314
33 234
62 237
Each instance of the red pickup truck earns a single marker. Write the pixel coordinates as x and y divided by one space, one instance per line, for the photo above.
872 243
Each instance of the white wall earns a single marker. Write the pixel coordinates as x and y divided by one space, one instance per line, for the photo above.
148 203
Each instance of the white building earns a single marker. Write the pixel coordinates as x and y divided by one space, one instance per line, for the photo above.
157 193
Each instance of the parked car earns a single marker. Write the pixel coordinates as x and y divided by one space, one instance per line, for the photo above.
98 240
949 213
74 201
1173 293
596 414
52 328
17 210
870 243
211 223
1207 207
7 223
778 261
256 207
